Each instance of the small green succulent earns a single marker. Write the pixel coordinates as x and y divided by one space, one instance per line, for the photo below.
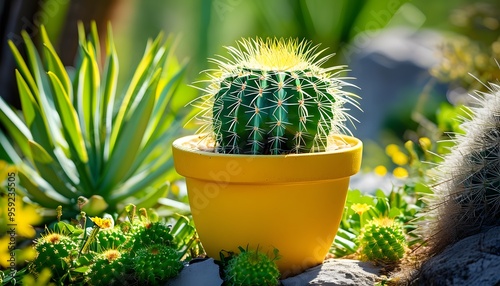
153 233
79 137
56 252
109 254
108 268
154 264
251 267
382 240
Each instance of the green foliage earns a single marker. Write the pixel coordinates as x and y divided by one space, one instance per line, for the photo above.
382 240
274 98
474 50
250 267
79 137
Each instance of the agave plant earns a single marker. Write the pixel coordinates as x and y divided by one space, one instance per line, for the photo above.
80 142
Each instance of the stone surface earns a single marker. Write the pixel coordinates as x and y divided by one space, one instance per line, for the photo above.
204 272
474 260
332 272
336 272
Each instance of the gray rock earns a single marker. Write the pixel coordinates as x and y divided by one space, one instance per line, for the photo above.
474 260
200 273
332 272
336 272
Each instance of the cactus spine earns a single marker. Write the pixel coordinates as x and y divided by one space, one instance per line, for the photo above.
274 98
382 240
468 192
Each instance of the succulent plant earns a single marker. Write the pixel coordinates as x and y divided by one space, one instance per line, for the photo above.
382 240
78 137
273 97
112 238
108 269
153 233
467 191
127 253
154 264
55 252
251 267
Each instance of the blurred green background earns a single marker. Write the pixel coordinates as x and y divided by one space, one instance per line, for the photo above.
390 45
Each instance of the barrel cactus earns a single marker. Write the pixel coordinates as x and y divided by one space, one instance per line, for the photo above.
56 252
251 267
156 263
108 269
273 97
111 238
382 240
468 188
153 233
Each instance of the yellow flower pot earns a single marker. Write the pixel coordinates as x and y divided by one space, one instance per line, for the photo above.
290 202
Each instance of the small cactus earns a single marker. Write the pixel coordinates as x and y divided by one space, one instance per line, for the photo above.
468 188
107 269
274 98
156 263
382 240
106 254
56 252
111 238
153 233
251 267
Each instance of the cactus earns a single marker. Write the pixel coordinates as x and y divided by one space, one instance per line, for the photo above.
156 263
382 240
153 233
111 238
274 98
468 188
108 269
56 252
250 267
127 253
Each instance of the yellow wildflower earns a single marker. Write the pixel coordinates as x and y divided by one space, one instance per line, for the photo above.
425 143
380 170
5 170
360 208
101 223
400 172
391 149
399 158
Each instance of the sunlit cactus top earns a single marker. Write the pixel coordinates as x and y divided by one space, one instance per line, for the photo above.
273 97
